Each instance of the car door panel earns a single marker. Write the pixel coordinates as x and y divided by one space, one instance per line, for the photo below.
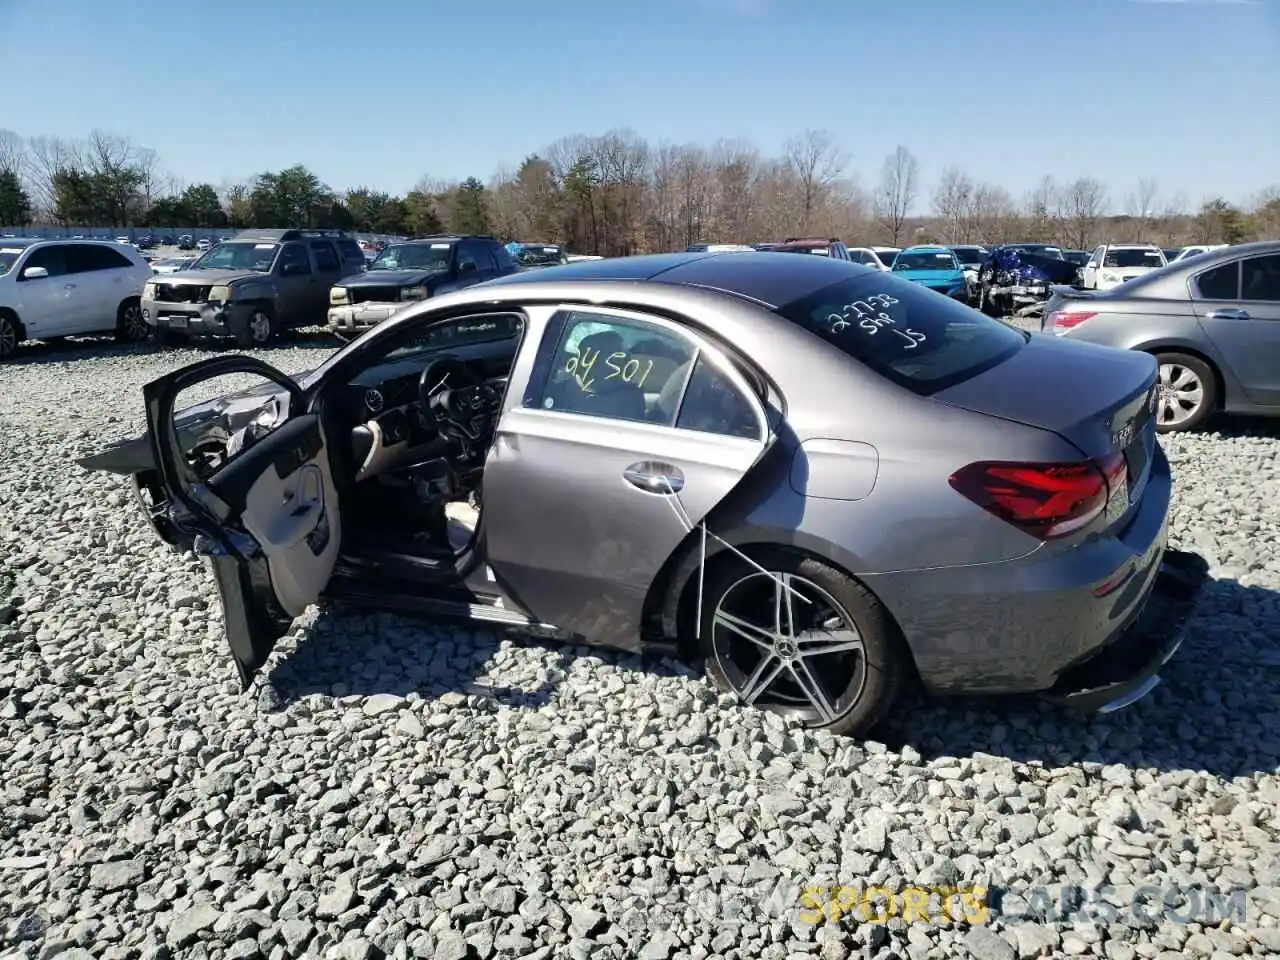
1246 333
48 305
267 521
570 538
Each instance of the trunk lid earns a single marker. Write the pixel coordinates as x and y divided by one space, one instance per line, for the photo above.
1100 399
1083 392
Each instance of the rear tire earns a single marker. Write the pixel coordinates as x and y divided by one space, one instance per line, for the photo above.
130 327
10 335
1188 392
843 640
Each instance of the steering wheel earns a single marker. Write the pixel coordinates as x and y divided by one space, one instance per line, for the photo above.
454 397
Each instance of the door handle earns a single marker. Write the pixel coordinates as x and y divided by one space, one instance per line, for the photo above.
68 286
654 477
1228 313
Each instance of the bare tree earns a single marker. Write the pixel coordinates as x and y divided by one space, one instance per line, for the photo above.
1142 206
13 152
46 158
951 199
1039 210
816 163
1080 208
897 190
989 212
735 164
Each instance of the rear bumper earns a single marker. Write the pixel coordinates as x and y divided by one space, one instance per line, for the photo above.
1126 670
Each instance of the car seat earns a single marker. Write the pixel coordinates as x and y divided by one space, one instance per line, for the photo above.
603 397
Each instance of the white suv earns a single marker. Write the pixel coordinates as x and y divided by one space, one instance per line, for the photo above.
62 288
1113 263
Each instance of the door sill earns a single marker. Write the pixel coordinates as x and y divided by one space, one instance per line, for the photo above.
468 606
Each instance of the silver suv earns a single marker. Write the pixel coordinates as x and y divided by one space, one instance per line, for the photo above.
252 286
61 288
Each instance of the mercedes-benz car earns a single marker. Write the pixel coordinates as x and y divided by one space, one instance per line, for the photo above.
819 477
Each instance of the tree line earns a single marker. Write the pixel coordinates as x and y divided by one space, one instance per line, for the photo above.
616 194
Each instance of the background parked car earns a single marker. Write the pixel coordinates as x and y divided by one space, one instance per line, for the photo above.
1195 250
1212 322
934 268
832 248
415 270
717 248
167 265
1112 264
971 257
252 286
537 255
59 288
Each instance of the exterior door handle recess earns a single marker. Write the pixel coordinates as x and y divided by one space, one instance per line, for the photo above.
655 477
1229 313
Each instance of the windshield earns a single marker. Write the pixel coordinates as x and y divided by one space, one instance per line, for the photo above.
1035 249
433 257
239 256
905 333
1133 257
968 255
925 260
8 257
539 256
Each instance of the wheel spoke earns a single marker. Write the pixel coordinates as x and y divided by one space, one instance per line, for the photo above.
765 673
1166 374
813 691
748 631
1185 379
784 613
840 641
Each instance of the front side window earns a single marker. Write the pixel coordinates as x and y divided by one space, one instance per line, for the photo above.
326 259
1220 283
1260 279
88 257
51 258
905 333
243 255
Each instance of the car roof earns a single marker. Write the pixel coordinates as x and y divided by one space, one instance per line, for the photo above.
20 241
771 279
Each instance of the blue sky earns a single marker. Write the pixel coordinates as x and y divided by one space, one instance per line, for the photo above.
1183 91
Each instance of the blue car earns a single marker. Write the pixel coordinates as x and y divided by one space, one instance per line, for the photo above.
933 267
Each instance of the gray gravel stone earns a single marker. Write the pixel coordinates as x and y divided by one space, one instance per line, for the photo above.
418 789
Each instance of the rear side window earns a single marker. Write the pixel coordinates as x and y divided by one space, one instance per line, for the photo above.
1220 283
905 333
352 255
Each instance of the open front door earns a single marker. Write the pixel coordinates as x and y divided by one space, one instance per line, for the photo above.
596 479
263 509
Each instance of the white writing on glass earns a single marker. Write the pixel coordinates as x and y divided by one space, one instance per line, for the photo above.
869 316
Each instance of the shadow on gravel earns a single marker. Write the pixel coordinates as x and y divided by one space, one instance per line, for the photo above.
353 652
1225 426
1216 711
38 352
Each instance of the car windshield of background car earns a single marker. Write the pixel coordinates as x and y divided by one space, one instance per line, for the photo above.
537 256
1133 258
968 255
239 256
433 258
905 333
925 261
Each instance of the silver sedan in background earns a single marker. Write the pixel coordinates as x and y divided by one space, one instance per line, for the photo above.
1212 321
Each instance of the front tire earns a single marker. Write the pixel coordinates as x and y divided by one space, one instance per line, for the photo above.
258 331
130 327
830 656
1188 392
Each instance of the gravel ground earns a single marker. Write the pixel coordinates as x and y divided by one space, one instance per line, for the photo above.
429 791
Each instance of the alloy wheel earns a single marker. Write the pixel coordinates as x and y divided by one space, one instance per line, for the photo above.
8 337
260 327
1179 394
131 322
786 645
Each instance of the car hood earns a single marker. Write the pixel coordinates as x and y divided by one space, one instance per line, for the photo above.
208 277
931 277
389 278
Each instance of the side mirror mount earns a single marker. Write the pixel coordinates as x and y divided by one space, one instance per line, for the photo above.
292 270
34 273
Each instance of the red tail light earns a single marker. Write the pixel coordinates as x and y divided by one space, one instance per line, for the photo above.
1046 500
1066 319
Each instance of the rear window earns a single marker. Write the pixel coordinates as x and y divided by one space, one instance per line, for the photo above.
905 333
1133 258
